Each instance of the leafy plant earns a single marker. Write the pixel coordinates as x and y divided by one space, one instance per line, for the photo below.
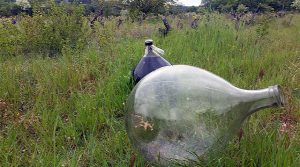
296 4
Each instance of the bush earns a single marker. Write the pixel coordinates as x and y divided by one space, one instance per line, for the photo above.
9 9
10 38
242 8
47 32
296 4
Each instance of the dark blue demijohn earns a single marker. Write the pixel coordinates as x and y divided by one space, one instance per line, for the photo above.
151 61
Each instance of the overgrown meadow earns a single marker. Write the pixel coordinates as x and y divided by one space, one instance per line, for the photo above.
64 83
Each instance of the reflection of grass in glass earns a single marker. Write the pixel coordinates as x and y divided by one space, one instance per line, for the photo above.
210 124
170 130
210 119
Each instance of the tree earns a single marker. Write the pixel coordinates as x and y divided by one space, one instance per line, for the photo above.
148 6
253 5
112 8
296 4
9 8
24 4
242 8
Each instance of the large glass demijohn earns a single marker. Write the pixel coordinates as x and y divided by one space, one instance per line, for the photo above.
178 113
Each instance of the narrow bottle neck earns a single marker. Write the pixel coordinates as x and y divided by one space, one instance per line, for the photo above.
149 51
264 98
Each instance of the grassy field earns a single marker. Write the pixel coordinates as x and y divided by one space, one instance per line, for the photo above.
68 110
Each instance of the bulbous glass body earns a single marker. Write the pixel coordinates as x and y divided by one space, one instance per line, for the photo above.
180 112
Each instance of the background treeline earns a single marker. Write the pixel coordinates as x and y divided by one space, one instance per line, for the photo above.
138 7
9 8
252 5
110 8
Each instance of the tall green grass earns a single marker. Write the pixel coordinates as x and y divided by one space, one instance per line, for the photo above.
68 110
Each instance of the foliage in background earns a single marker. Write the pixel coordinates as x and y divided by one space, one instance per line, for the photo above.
24 4
242 8
136 8
296 4
146 6
253 5
9 8
47 32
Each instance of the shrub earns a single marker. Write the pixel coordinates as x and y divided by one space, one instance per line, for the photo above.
10 38
242 8
296 4
47 32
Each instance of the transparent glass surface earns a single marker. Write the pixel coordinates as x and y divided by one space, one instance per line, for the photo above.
178 113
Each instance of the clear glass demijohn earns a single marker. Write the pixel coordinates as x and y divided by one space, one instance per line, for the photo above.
178 113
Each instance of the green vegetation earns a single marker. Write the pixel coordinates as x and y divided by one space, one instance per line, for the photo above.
8 8
138 9
296 4
64 84
254 5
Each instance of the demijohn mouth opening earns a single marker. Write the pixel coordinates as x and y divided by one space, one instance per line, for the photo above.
278 95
